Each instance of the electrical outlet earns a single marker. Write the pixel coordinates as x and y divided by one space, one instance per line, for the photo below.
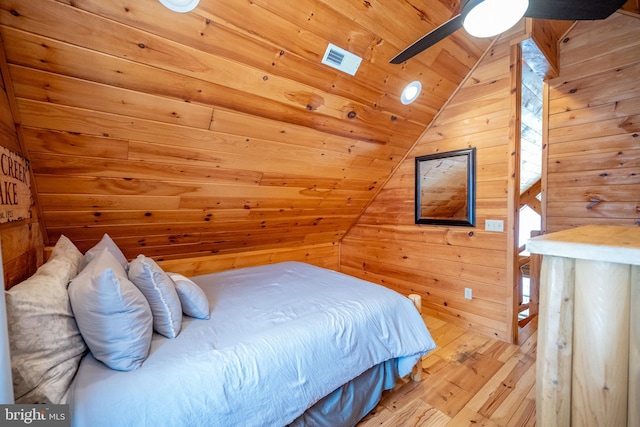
468 293
494 225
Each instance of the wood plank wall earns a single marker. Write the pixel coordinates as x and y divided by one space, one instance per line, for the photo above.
594 137
322 255
219 130
437 262
22 242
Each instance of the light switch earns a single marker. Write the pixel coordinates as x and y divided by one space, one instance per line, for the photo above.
494 225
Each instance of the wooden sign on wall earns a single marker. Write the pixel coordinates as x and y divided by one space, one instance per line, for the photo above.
15 187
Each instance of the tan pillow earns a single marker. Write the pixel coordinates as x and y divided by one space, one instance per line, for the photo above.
44 339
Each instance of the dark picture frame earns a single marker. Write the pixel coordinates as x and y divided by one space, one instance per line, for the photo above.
445 188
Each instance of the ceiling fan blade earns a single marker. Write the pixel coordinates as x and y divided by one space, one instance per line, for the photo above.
572 10
439 33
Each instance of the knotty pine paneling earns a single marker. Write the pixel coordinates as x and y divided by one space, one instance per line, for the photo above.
322 255
387 247
218 130
22 242
594 144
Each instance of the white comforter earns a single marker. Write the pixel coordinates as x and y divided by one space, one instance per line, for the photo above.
280 338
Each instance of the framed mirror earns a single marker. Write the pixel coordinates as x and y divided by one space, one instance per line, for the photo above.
445 188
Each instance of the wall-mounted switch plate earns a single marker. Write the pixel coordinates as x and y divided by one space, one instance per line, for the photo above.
494 225
468 293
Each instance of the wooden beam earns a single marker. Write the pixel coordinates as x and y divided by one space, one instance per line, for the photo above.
547 34
529 197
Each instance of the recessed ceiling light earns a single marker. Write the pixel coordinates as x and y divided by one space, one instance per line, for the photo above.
180 5
411 92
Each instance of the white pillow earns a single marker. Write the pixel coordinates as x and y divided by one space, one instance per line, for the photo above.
105 243
192 298
161 293
44 339
113 315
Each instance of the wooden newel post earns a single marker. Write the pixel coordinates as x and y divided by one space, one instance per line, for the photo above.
588 363
555 343
416 374
634 348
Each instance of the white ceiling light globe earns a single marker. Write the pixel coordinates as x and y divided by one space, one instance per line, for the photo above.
491 17
181 6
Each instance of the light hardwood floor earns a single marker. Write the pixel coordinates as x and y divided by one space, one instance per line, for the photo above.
469 380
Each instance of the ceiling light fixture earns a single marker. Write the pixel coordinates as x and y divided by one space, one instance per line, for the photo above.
487 18
181 6
411 92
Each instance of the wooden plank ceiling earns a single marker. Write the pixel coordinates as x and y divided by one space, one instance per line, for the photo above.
219 130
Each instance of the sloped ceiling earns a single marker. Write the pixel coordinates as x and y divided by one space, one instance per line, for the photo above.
219 130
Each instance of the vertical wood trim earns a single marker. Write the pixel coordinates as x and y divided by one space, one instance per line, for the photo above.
513 202
545 153
11 97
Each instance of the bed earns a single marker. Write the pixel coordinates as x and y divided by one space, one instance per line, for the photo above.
273 345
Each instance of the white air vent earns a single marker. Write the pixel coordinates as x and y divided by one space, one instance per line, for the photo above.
341 59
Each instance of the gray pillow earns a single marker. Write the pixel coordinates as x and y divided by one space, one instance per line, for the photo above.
113 315
105 243
44 340
192 298
161 293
